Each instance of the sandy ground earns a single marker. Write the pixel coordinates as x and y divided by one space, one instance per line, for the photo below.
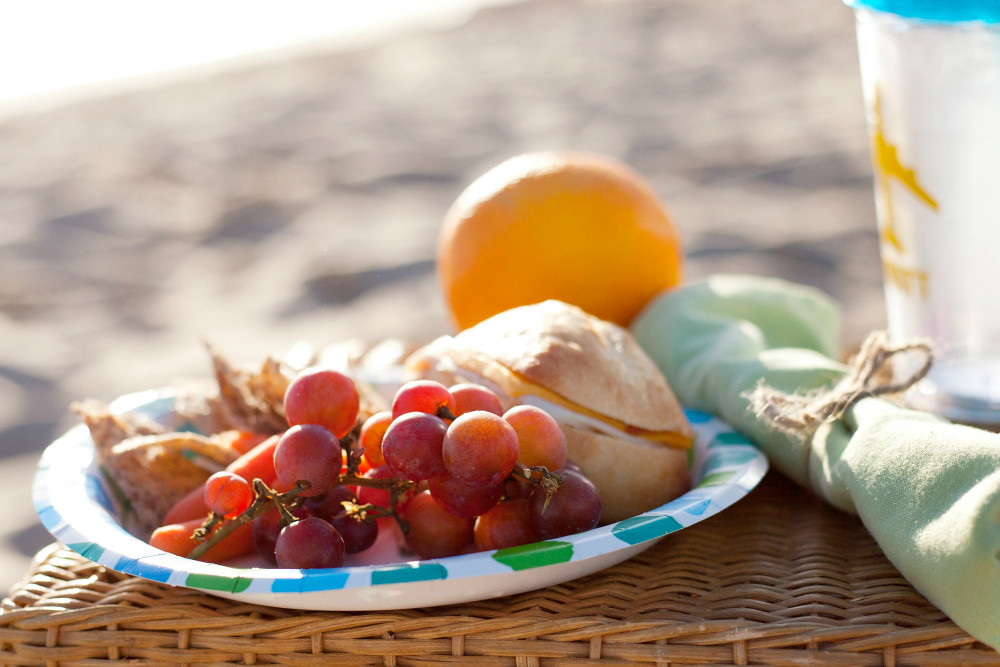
300 199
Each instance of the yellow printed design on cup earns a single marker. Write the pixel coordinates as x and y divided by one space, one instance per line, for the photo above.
897 268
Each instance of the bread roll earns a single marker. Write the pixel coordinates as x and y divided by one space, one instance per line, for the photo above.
624 427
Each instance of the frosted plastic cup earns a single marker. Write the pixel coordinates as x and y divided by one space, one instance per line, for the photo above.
930 73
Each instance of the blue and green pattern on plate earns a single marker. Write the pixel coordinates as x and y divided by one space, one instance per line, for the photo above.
75 503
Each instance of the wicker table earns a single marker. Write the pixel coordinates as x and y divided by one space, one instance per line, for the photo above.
777 579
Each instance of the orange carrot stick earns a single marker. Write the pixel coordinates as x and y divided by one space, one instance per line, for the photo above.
257 463
242 442
190 507
176 539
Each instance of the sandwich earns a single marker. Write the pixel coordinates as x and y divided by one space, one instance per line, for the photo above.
623 424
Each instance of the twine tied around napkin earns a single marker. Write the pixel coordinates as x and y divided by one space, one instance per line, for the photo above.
869 375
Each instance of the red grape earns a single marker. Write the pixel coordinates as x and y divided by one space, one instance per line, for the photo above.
227 493
461 499
480 448
358 534
308 452
516 487
332 503
540 440
573 508
309 543
422 396
370 438
267 526
435 532
469 397
412 446
509 524
324 397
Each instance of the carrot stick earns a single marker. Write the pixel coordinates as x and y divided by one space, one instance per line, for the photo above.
257 463
190 507
244 441
176 539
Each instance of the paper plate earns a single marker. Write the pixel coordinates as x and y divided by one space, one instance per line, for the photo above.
75 505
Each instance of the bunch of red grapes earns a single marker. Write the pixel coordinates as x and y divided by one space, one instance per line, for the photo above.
447 464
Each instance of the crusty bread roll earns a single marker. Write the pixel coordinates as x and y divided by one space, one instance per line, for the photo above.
624 427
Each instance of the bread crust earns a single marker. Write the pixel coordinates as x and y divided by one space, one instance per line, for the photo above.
633 477
587 361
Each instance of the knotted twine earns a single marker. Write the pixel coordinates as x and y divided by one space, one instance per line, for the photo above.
868 375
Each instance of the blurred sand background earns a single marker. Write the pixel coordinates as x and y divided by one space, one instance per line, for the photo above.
297 196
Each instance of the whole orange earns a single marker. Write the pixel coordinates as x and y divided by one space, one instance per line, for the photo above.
581 228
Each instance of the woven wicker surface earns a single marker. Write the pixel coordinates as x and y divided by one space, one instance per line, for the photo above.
777 579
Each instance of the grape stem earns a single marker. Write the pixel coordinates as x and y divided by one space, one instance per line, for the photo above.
387 483
347 443
445 413
369 511
548 480
395 486
265 498
213 520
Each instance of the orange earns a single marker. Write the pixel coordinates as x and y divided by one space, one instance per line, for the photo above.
581 228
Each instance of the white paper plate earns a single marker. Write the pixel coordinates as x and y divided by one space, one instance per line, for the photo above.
75 505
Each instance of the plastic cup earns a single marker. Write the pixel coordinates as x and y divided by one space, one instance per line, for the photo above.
930 73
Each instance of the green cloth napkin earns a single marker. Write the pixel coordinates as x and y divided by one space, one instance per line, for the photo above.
926 489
